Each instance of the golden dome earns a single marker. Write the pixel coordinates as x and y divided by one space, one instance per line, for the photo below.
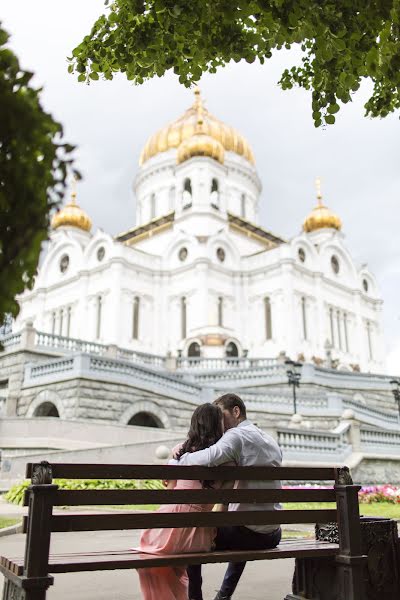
200 144
71 215
186 127
321 217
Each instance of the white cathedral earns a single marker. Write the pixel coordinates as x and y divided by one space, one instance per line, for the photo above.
198 276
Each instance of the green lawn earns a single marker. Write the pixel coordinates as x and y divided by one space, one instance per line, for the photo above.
376 509
8 522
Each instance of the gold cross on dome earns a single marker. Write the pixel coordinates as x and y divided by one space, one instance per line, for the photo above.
318 188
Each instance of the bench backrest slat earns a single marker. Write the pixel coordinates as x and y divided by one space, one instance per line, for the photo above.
205 496
116 521
94 471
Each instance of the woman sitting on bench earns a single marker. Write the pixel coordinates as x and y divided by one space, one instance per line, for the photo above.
171 583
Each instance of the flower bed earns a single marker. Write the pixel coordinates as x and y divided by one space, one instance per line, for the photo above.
379 493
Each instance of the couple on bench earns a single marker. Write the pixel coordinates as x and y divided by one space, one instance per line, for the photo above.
219 434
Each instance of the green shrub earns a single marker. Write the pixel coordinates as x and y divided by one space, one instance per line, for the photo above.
15 495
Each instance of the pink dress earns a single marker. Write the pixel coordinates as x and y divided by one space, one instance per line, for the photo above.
171 583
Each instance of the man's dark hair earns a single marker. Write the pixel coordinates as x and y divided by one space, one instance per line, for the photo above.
229 401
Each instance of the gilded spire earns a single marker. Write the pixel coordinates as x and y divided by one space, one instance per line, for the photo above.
321 217
72 215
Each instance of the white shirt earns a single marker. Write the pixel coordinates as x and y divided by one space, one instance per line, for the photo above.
247 446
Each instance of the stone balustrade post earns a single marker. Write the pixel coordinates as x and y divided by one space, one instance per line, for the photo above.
349 417
28 335
112 351
170 363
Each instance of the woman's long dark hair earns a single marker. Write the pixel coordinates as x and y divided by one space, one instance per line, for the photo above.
205 430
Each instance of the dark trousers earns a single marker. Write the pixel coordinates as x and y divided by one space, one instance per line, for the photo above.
232 538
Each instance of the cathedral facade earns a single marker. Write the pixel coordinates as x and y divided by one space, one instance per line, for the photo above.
198 276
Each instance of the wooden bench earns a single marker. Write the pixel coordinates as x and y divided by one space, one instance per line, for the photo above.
29 577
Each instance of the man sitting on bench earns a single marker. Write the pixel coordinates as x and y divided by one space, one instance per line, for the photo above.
245 445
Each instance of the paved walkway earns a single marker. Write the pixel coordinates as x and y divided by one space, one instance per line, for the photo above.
261 580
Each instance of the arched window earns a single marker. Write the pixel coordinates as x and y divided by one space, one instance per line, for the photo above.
53 322
304 317
194 350
145 419
268 318
135 318
220 311
98 317
152 206
46 409
214 193
231 350
183 317
187 193
243 206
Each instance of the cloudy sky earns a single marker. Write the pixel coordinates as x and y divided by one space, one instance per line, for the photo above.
357 159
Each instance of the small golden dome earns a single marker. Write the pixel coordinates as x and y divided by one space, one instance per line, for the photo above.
321 217
186 127
71 215
200 144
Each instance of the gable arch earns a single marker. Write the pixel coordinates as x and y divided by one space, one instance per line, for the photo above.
148 407
45 399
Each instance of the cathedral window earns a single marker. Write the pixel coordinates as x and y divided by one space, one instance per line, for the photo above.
369 336
301 254
346 334
243 206
152 206
231 350
183 317
69 313
365 285
221 254
64 263
304 317
220 311
53 323
182 254
335 264
194 350
187 193
98 317
332 327
215 193
135 318
268 318
101 253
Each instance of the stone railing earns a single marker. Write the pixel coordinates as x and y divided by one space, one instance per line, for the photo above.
114 370
142 358
378 416
212 364
385 442
10 340
316 445
51 341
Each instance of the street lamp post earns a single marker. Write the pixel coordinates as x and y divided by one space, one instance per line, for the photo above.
294 376
396 394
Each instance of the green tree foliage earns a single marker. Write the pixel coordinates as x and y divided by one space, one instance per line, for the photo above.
33 170
342 42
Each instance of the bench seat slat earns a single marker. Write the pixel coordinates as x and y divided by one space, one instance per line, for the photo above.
205 496
130 560
119 521
97 471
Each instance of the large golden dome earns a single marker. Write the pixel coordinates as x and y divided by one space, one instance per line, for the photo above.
186 127
321 217
72 215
